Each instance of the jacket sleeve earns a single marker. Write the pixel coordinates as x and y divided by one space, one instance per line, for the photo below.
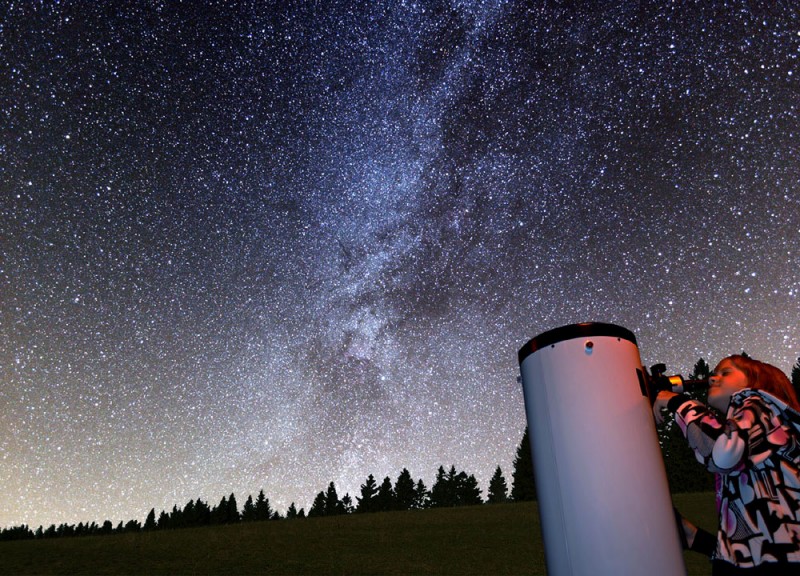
748 436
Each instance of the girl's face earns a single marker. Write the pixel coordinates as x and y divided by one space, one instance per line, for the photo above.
723 383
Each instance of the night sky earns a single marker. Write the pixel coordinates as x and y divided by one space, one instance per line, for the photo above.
271 245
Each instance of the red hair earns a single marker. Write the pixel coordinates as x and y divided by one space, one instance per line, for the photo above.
766 377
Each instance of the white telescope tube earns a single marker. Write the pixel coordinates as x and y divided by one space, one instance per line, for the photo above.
604 500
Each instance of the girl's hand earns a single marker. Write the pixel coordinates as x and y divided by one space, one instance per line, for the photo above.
660 405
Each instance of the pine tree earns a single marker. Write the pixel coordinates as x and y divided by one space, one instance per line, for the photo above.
454 481
421 495
318 506
701 370
385 500
163 523
440 492
202 513
219 515
150 522
249 510
404 491
498 489
263 509
233 509
347 504
454 489
469 493
176 518
366 502
189 514
524 485
332 504
291 512
459 486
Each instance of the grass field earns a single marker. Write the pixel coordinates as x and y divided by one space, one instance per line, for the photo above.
502 539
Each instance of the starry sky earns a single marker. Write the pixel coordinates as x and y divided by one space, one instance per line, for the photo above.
270 245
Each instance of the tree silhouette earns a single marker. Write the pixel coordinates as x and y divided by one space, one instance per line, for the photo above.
176 516
451 488
249 510
347 504
318 506
150 522
18 533
163 521
701 370
454 489
441 492
459 483
385 500
219 515
188 516
332 504
404 491
422 496
233 509
524 485
262 507
468 492
369 490
202 513
498 490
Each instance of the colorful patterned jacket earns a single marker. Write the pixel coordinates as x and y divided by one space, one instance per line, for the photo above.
756 452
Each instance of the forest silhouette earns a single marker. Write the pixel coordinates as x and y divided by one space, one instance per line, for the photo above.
450 488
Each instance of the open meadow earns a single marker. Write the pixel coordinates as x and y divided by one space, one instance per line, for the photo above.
497 539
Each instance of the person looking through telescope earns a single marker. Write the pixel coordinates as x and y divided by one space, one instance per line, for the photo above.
753 447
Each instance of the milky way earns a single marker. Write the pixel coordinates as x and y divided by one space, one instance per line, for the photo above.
279 244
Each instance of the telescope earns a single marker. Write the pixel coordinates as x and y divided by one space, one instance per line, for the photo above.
657 381
604 501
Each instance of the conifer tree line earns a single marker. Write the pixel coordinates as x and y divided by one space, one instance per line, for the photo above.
450 488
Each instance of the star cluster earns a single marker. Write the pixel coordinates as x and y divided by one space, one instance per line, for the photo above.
277 244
